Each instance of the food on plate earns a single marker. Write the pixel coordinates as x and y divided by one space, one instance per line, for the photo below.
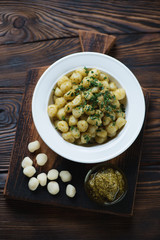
26 162
86 107
70 191
42 178
65 176
52 174
41 159
106 185
33 183
29 171
33 146
53 187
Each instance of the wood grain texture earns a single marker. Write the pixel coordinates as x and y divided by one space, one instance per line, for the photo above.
10 103
132 50
18 59
96 42
30 21
41 221
139 52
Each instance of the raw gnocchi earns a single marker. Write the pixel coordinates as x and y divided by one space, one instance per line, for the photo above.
42 178
70 191
33 146
33 183
26 162
87 107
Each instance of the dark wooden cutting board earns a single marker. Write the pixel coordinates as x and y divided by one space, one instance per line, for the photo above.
17 184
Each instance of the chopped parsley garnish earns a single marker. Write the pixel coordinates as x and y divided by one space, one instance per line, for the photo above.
113 106
109 115
93 117
100 85
102 105
79 89
87 138
88 108
97 115
68 92
122 107
86 70
102 88
95 83
98 130
63 118
114 97
112 117
72 127
114 123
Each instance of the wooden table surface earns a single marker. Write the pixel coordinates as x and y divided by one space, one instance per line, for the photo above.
37 33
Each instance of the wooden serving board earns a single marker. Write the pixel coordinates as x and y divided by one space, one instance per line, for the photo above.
17 184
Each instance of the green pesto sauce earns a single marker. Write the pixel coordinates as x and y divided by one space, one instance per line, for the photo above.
106 185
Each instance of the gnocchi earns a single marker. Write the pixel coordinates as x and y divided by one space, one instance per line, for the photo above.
60 102
52 110
62 126
53 187
33 183
65 176
52 174
87 107
33 146
42 178
82 125
70 191
26 162
29 171
41 159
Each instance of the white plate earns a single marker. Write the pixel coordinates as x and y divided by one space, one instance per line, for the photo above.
135 108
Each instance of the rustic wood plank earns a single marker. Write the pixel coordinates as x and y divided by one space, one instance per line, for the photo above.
3 177
16 60
96 42
152 133
137 50
30 21
141 53
10 103
148 76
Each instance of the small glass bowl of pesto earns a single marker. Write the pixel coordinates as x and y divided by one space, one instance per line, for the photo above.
106 184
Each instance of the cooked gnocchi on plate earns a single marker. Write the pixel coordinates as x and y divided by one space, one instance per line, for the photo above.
86 107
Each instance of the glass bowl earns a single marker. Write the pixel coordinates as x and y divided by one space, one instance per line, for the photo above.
94 192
